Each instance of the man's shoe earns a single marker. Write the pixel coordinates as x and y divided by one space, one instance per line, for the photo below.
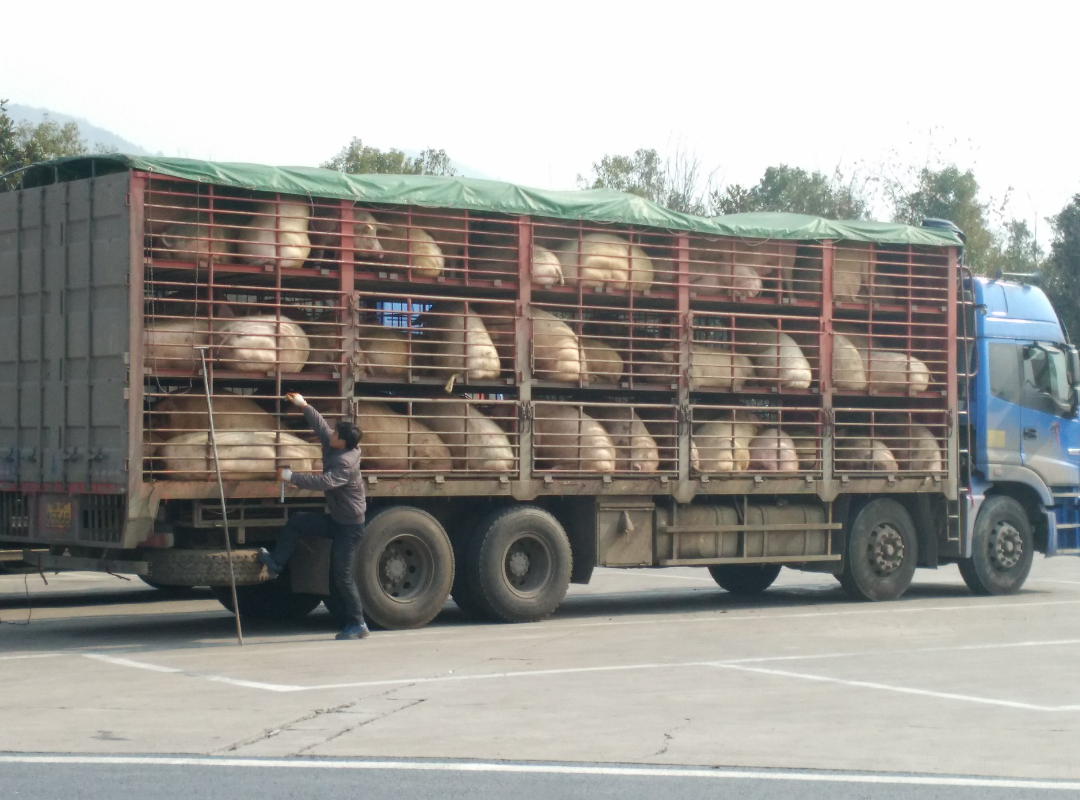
267 560
354 632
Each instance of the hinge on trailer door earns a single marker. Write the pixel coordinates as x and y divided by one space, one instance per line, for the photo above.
684 417
526 414
828 422
950 422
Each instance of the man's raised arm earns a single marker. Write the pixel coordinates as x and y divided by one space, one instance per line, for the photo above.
314 418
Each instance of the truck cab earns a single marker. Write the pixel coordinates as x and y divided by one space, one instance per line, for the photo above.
1024 433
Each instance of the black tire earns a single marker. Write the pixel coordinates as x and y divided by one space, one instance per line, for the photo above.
744 579
519 563
174 567
882 552
463 593
404 568
272 600
1002 548
171 592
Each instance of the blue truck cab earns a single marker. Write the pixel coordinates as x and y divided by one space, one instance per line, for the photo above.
1024 436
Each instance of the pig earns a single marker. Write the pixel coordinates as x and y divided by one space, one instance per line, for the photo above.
635 448
171 343
476 442
458 343
858 454
569 439
724 445
916 449
848 372
382 352
713 366
186 413
546 268
258 344
193 241
242 455
600 361
772 450
889 371
777 359
556 351
276 234
851 266
365 243
395 443
413 248
765 260
605 259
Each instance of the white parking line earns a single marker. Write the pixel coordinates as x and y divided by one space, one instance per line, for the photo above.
899 689
736 664
32 655
554 769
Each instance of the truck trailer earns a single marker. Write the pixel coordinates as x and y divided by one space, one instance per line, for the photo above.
546 382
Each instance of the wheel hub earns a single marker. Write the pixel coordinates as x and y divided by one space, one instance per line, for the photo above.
1006 546
395 568
518 564
886 550
404 568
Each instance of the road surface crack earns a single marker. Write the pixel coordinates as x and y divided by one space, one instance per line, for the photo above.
344 731
269 733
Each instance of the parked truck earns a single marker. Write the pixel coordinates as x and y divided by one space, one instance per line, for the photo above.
546 382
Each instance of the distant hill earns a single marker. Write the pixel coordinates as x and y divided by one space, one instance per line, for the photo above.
93 135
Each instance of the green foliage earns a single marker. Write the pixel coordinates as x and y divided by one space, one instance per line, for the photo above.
358 158
1062 269
25 144
1015 250
948 193
794 190
673 183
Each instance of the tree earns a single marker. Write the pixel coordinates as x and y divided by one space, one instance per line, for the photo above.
1015 250
358 158
948 193
786 188
1062 268
23 144
674 183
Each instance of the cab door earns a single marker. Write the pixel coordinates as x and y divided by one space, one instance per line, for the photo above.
1048 427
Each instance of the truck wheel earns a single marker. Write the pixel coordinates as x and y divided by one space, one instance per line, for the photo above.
404 568
272 600
1002 548
744 579
519 562
882 551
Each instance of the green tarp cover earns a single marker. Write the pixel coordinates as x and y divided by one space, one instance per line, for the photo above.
473 194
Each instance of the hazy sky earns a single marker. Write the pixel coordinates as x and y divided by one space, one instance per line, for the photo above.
535 92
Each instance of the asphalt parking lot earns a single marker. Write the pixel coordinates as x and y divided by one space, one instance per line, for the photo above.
638 668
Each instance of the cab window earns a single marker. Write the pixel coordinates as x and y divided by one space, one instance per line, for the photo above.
1005 371
1046 379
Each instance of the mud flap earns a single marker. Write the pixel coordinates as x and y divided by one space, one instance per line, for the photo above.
309 568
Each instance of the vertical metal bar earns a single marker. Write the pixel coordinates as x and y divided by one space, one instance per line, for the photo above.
41 337
62 434
136 331
951 487
90 325
683 423
827 490
346 288
221 493
18 334
523 348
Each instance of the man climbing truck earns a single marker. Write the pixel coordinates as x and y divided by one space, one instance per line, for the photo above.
546 381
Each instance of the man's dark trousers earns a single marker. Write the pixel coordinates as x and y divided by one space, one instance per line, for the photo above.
344 541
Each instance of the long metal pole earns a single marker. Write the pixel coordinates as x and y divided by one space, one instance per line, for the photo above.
221 494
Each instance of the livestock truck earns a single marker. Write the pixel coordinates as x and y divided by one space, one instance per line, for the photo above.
546 381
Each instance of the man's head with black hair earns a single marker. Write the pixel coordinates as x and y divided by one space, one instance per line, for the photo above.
346 436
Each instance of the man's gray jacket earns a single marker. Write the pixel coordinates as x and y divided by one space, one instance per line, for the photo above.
340 479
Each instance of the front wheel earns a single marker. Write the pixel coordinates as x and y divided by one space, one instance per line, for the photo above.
744 579
882 552
1002 548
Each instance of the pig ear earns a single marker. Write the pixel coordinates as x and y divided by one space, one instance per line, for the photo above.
224 311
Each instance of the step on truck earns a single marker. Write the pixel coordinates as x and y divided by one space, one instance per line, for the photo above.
546 382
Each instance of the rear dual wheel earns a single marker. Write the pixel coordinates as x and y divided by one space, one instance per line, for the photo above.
272 600
517 566
882 552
